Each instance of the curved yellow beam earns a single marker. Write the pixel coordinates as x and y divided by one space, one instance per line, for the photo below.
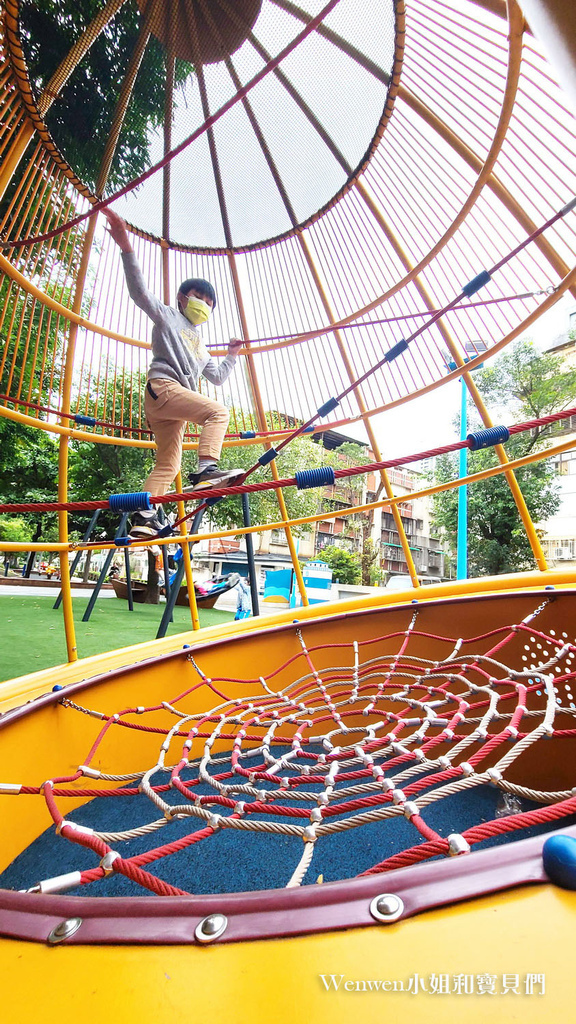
82 435
424 492
7 268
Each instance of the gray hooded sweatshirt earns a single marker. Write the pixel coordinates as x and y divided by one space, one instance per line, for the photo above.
177 349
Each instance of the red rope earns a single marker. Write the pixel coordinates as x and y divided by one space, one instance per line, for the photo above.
325 692
266 485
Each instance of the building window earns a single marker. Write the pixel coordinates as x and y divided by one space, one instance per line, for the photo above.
278 537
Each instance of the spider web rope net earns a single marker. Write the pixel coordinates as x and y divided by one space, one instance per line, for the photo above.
358 737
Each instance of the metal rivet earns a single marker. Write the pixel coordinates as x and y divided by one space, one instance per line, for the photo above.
64 930
211 928
386 908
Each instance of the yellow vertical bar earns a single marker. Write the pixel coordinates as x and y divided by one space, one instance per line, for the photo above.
63 455
67 610
187 561
261 418
363 412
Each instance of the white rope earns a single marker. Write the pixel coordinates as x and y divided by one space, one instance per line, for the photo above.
380 711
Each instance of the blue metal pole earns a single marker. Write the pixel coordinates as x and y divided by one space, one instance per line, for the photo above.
462 541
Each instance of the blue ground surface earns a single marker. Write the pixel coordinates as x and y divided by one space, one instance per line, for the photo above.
242 861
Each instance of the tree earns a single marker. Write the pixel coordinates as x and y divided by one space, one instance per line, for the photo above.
30 365
15 530
301 453
29 473
522 384
345 566
80 122
370 559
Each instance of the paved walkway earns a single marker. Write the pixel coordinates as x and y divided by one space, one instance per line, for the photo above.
19 591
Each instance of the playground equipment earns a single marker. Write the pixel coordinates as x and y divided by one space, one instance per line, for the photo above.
206 596
372 187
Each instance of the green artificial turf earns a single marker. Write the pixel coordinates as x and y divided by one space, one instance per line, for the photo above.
32 632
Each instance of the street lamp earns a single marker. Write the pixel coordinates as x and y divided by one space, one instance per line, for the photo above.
472 349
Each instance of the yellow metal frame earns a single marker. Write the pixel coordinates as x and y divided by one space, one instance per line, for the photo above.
516 932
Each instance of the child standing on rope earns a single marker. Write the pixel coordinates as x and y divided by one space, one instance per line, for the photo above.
172 398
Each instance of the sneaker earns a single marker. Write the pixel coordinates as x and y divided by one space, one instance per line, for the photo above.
212 476
145 526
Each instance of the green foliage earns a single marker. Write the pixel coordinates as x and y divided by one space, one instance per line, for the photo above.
523 384
371 572
80 121
98 470
527 384
497 542
345 566
29 330
14 530
302 453
28 463
28 473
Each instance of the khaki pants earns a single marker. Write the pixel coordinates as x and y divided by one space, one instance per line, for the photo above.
167 415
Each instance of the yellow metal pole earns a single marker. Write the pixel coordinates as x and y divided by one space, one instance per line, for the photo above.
261 419
64 442
363 411
67 610
187 562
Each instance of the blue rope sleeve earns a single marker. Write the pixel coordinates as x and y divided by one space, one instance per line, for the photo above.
332 403
488 437
319 477
396 350
267 457
88 421
248 433
476 283
133 502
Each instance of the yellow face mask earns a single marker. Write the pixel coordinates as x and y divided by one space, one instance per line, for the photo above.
196 311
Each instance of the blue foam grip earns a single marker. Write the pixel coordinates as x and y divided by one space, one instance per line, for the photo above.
314 477
559 859
267 457
122 542
248 433
476 283
332 403
88 421
130 502
488 437
396 350
309 430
